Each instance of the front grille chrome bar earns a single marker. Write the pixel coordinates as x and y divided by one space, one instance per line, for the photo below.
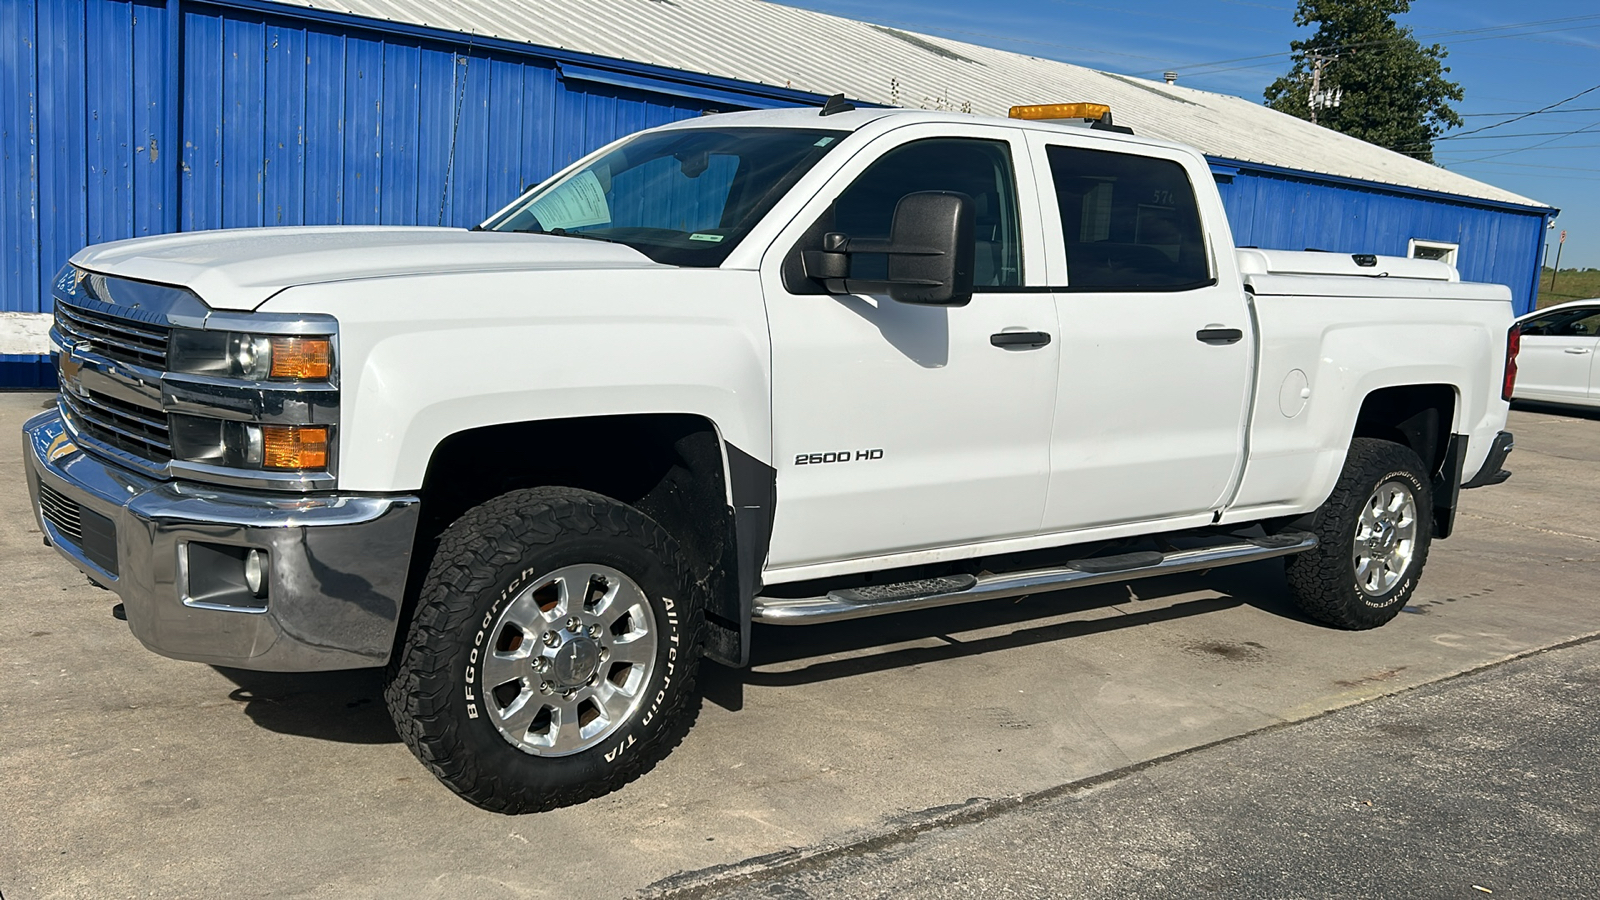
140 344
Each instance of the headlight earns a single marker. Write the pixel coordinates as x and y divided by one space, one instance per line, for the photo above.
247 445
251 357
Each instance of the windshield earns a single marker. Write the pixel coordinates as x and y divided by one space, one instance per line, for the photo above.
682 197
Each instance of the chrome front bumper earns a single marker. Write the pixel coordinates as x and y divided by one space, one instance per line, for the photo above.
337 571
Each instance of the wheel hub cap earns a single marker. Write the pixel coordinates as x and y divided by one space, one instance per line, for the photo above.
576 662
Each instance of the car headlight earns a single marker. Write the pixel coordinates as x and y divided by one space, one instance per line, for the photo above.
283 384
250 445
251 357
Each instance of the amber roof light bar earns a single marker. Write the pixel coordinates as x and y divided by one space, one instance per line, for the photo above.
1098 114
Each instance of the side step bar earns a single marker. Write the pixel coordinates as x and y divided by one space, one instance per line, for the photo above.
878 600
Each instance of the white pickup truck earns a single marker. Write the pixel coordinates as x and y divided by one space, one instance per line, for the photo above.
774 367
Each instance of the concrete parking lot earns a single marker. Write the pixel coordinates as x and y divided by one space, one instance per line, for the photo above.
127 774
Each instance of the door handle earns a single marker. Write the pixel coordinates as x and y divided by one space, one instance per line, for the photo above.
1219 335
1578 350
1019 340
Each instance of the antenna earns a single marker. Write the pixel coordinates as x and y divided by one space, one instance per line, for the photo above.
836 104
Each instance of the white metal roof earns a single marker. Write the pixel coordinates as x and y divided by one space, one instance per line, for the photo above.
751 40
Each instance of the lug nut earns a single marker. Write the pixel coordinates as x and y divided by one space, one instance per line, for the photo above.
568 695
573 624
551 639
541 664
594 679
605 653
594 631
546 687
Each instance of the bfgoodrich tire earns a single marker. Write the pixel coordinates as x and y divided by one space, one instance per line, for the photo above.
553 652
1374 532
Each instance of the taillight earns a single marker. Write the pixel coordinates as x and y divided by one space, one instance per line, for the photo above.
1513 345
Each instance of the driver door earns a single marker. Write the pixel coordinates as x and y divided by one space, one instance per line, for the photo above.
900 428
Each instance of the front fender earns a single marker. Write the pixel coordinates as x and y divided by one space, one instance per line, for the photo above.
425 357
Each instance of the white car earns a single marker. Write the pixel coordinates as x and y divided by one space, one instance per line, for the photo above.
1556 364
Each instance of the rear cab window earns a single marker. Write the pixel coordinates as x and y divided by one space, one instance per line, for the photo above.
1129 222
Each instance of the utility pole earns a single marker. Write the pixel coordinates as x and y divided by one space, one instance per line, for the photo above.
1320 98
1557 270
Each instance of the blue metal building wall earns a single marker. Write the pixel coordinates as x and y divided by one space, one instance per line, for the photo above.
122 118
1276 210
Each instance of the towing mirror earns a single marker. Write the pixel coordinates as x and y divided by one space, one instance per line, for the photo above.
930 251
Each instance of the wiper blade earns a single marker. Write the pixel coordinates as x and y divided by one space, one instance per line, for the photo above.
562 232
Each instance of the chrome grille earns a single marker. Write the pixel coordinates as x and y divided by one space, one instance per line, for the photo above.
135 429
62 514
123 340
129 427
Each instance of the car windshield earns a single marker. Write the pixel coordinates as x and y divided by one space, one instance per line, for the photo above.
682 197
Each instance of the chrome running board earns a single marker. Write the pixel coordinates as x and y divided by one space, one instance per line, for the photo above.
878 600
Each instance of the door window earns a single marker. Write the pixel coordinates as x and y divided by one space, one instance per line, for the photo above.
1584 322
981 169
1131 223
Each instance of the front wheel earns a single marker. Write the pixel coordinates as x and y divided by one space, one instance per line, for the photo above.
553 652
1373 533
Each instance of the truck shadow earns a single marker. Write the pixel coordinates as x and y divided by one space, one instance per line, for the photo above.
843 649
345 707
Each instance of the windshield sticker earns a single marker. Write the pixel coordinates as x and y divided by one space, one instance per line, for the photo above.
576 202
823 142
705 237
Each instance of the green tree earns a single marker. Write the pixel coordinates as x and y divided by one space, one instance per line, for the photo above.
1376 83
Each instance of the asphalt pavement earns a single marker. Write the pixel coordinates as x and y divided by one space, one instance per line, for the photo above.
1483 785
848 750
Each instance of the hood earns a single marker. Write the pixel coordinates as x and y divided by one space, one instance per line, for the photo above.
240 268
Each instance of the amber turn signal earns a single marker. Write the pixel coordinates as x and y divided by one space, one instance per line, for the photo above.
294 446
302 358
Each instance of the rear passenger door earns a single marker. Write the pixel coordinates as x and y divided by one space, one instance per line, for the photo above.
1157 343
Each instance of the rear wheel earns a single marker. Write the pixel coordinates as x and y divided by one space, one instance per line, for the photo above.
1374 532
553 652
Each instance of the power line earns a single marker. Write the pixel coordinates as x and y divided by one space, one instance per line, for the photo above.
1575 109
1507 137
1424 149
1563 21
1123 10
1489 137
1260 5
1534 166
1531 149
1587 129
1519 118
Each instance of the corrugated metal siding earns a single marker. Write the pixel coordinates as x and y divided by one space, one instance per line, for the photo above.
287 123
284 122
772 44
1283 213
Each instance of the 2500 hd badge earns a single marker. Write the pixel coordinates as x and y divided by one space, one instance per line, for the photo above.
837 456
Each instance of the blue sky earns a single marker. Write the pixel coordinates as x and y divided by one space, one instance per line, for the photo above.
1510 58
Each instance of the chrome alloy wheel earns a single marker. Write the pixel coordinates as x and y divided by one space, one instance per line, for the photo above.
1386 538
568 660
